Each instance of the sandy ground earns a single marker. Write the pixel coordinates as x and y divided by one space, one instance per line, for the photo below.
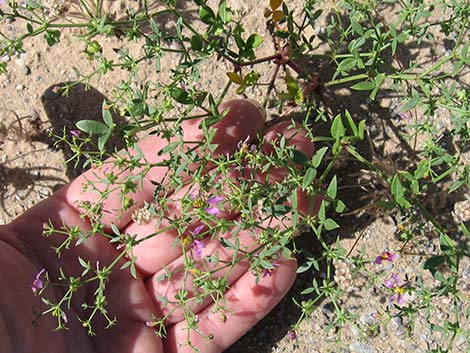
32 168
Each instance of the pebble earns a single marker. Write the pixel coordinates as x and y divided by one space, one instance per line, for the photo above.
460 341
361 348
25 70
20 87
397 322
355 330
327 309
21 194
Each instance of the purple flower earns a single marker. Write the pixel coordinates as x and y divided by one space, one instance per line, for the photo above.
197 246
240 143
74 133
37 283
385 255
291 335
213 209
269 272
197 230
243 146
398 289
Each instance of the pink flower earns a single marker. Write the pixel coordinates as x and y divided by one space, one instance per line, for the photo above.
75 133
291 335
397 288
37 283
269 272
197 246
385 255
197 230
213 208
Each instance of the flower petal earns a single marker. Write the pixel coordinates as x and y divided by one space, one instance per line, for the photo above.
197 230
214 200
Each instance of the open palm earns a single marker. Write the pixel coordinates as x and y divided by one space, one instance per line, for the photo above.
133 302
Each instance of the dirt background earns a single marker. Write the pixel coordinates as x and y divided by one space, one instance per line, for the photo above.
32 168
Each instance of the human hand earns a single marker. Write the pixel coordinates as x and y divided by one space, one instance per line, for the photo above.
24 252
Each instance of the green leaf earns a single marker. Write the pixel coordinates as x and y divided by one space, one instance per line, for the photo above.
309 177
224 12
340 206
351 123
277 210
103 139
29 28
107 116
337 128
253 41
361 129
446 243
329 224
356 27
433 262
346 65
332 188
396 188
92 127
300 157
196 42
180 95
169 148
410 104
318 156
206 14
363 86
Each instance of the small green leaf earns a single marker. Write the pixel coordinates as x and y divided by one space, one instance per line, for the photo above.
92 127
253 41
346 65
206 14
309 176
103 139
433 262
351 123
277 210
196 42
337 128
107 116
300 157
363 86
340 206
361 129
329 224
235 78
356 27
332 188
224 12
180 95
169 148
318 157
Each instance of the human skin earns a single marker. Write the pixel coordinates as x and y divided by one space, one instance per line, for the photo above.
24 252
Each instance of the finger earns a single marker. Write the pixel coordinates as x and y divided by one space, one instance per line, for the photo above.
246 304
243 120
